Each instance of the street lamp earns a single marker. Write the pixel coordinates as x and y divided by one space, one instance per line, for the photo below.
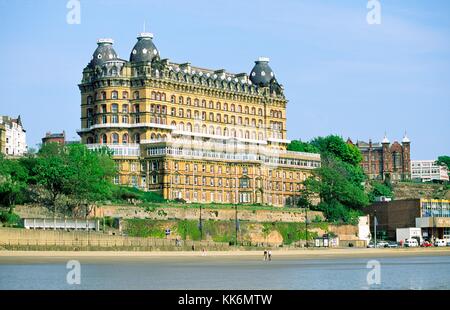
200 224
306 226
375 228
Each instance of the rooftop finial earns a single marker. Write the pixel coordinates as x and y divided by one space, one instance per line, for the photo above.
405 138
385 140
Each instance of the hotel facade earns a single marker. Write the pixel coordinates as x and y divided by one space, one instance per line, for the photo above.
191 133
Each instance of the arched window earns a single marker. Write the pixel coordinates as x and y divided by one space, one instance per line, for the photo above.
181 126
218 118
189 127
163 96
225 106
153 95
239 109
153 136
103 95
204 130
218 105
233 133
253 135
181 113
225 131
253 111
125 138
260 136
174 124
260 113
211 116
211 105
90 140
89 100
211 130
188 100
137 138
136 95
196 102
240 133
180 100
204 103
173 99
246 110
104 139
115 138
196 128
114 95
114 108
218 131
232 108
247 134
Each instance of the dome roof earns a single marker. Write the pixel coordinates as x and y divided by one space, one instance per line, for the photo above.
144 49
262 74
103 53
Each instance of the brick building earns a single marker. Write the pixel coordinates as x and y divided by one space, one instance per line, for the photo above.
386 161
54 138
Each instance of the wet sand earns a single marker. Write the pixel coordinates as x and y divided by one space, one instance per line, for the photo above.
111 256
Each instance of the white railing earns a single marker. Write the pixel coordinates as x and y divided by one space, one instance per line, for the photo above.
118 149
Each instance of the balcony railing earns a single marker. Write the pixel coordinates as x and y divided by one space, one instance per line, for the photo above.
118 149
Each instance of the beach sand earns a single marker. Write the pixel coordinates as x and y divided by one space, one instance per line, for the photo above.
7 257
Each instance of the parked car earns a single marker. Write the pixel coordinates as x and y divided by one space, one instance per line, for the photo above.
370 244
440 242
411 243
426 244
448 243
382 244
392 244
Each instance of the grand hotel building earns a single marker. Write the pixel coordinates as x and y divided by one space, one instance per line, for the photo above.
196 134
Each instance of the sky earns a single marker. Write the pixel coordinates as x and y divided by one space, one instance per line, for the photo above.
341 74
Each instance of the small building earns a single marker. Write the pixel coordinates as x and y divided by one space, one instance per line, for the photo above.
12 136
386 161
431 215
59 138
428 170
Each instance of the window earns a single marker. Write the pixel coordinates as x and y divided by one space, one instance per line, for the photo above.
136 95
116 179
125 119
137 138
125 108
114 119
172 99
125 95
104 139
125 139
115 138
114 108
114 95
89 100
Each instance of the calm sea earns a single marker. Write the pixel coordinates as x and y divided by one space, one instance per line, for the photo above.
421 272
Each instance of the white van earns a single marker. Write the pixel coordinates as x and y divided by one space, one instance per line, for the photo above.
410 243
440 242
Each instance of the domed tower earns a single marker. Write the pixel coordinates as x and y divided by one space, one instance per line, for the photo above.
103 53
261 74
144 50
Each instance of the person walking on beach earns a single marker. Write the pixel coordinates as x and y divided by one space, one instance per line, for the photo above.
265 255
270 255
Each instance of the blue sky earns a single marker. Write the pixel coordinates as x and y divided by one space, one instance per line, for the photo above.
341 75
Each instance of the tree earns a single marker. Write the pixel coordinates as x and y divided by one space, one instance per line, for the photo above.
444 161
90 175
339 182
299 146
72 171
13 181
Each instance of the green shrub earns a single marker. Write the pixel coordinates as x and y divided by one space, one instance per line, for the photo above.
9 218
